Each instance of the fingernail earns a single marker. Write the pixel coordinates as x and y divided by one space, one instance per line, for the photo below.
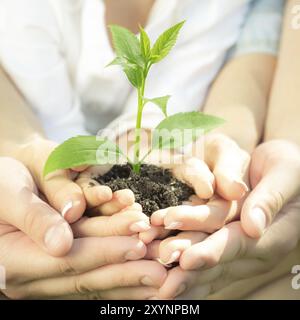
55 235
147 281
260 220
68 206
174 256
140 226
174 225
242 184
180 290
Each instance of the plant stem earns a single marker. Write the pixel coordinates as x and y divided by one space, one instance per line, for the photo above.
137 141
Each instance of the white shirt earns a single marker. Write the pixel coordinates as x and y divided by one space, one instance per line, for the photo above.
56 52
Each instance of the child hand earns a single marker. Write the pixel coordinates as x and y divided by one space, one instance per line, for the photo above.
229 165
112 213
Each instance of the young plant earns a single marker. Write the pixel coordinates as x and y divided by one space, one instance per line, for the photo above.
136 57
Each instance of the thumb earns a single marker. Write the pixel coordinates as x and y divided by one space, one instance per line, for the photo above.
278 184
41 223
62 193
45 226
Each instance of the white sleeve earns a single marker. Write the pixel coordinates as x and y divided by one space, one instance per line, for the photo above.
30 51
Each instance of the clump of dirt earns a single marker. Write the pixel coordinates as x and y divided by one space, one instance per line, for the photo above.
154 188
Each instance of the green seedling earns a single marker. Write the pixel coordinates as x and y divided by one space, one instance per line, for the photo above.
136 56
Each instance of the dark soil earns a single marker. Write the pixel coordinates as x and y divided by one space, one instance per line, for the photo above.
154 188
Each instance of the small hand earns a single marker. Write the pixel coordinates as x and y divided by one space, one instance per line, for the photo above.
119 215
228 165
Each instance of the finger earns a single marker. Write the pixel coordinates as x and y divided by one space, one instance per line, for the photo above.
177 282
95 194
131 293
86 254
278 184
154 233
64 195
229 164
157 217
196 173
213 281
171 248
224 245
200 284
125 223
128 274
180 283
42 224
120 200
207 218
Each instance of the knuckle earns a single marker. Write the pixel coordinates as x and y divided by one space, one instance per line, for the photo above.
66 268
95 296
30 218
124 278
80 287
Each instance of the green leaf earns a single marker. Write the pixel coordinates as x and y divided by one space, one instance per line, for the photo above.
183 128
126 44
133 71
161 102
117 61
82 150
145 44
165 42
134 74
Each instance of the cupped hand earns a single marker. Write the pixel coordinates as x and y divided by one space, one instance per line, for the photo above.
72 199
275 180
220 177
209 263
62 193
103 267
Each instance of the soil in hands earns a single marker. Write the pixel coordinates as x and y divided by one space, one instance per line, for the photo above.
154 188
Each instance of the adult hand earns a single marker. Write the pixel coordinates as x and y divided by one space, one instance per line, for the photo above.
275 180
274 174
227 256
94 267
